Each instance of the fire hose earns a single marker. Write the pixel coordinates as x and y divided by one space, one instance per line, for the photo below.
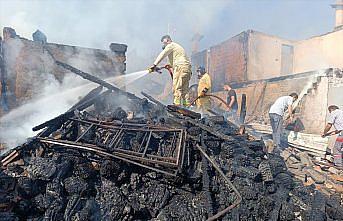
210 95
159 70
169 69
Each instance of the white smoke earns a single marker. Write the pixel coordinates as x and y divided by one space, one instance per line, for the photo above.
96 24
55 99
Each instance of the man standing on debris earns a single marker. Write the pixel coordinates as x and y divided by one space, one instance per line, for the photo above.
276 113
231 100
204 86
335 118
181 65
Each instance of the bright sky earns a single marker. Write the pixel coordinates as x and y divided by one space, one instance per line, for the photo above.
140 24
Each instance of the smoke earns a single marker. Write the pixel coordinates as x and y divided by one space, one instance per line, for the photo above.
96 24
44 93
55 98
140 24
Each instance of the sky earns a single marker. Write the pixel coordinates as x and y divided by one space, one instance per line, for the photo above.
141 23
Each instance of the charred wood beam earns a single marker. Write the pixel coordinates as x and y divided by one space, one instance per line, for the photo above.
152 99
8 159
102 152
147 144
184 111
243 111
181 158
171 160
127 126
191 121
56 122
206 183
185 116
217 168
92 94
97 80
210 130
84 133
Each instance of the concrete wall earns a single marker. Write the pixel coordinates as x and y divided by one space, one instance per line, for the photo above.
313 108
311 112
319 52
264 57
28 65
335 96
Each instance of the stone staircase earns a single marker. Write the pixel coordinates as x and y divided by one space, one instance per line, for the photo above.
311 85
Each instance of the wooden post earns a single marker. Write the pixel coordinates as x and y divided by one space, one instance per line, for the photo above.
243 111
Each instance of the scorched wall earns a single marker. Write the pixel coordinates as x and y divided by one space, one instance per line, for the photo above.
28 65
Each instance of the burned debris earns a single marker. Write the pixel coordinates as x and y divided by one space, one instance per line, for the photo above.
94 162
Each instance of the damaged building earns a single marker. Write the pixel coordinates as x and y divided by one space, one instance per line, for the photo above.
115 155
265 67
98 161
27 65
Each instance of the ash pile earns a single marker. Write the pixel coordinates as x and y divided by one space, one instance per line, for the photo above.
103 160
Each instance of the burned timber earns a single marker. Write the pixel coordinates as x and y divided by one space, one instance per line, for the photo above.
115 156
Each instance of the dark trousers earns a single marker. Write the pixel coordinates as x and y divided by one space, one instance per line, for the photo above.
276 122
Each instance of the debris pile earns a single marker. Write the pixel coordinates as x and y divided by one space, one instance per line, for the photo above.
114 156
314 170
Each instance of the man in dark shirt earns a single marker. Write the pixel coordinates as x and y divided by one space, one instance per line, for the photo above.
231 100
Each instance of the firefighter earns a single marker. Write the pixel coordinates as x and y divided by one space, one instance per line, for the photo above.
181 66
204 86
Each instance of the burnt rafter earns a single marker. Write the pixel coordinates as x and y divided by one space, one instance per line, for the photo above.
156 148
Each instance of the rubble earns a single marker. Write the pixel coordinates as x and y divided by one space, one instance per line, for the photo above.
165 163
314 170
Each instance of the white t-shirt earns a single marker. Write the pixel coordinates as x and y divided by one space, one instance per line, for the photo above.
336 119
280 105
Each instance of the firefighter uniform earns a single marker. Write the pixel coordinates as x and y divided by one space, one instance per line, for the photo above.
204 103
181 71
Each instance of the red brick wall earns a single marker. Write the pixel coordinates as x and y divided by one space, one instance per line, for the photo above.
227 61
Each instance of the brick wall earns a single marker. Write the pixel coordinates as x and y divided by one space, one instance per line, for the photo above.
28 65
227 61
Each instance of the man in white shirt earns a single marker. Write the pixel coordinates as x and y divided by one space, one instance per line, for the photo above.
276 113
335 118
